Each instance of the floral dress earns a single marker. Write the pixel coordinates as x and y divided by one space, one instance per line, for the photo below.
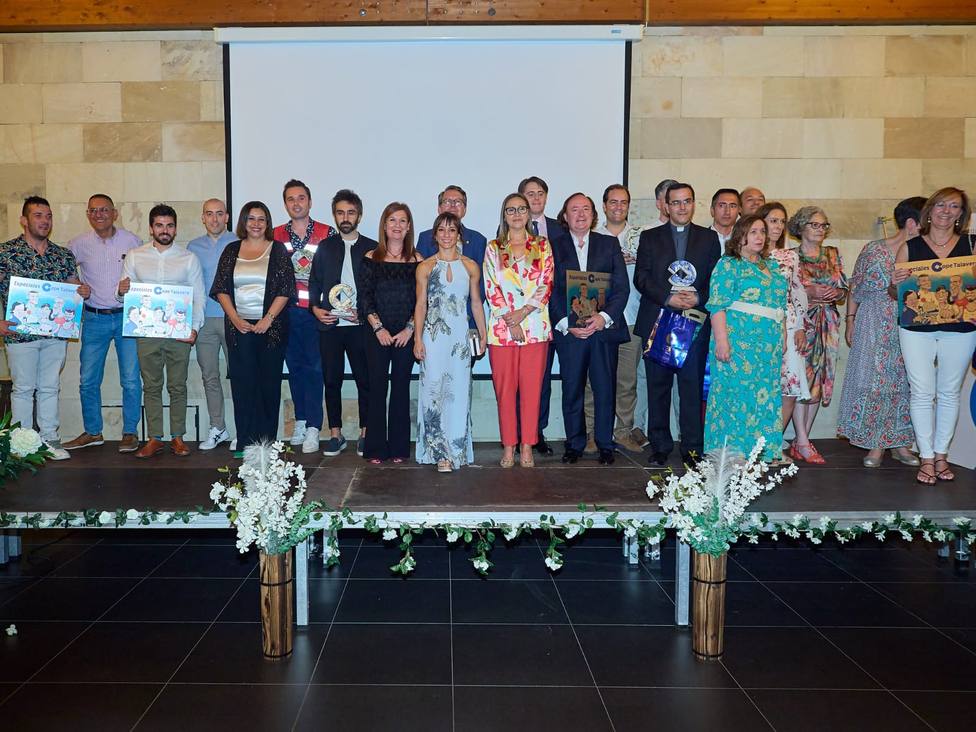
822 323
443 417
874 411
794 374
744 401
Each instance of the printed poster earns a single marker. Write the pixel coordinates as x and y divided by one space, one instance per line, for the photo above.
157 311
586 295
938 292
42 308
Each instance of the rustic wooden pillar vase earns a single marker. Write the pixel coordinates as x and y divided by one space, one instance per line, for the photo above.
277 604
708 606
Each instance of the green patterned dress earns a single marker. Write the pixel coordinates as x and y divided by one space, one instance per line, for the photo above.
744 401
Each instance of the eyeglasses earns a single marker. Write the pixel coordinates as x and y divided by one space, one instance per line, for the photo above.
454 202
682 202
103 210
512 210
816 226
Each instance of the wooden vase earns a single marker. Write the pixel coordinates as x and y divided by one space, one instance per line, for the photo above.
277 604
708 606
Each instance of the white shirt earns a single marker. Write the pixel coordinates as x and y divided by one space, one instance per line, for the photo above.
722 238
582 253
541 226
173 266
347 277
628 238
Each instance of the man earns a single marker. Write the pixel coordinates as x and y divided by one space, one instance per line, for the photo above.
660 191
536 192
587 347
664 284
616 207
752 199
36 361
161 263
302 236
725 212
341 333
100 254
210 339
471 243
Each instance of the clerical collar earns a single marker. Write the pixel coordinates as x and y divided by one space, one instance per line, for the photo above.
677 228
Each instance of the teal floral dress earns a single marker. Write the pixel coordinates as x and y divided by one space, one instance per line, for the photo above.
744 402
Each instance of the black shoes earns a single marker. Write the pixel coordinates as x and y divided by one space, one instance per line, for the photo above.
660 459
606 457
542 447
571 456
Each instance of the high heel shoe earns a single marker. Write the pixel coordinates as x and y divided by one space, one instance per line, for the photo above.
507 462
527 462
871 462
910 459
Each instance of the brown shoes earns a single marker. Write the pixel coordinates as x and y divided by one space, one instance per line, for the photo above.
178 447
83 440
130 443
152 447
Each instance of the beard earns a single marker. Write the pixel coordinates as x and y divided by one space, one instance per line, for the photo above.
163 239
347 227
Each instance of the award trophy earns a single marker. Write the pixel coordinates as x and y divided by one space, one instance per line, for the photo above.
342 298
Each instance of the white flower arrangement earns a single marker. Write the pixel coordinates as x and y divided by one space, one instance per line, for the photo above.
707 504
265 504
20 449
24 442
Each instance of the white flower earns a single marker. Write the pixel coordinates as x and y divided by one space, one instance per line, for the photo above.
131 515
917 520
163 516
630 532
330 550
824 522
452 536
389 535
512 533
969 538
572 530
880 536
480 563
24 442
940 535
867 525
960 521
753 538
216 492
888 518
11 629
106 518
554 563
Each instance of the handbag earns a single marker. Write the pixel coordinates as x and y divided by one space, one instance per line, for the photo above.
672 336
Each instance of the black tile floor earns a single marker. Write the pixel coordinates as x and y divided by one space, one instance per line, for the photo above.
158 630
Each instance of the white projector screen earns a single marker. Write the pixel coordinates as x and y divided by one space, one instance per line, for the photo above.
400 120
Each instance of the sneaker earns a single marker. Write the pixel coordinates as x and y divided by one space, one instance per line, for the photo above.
298 433
360 446
627 442
129 443
216 437
311 441
334 446
57 451
82 440
639 437
233 445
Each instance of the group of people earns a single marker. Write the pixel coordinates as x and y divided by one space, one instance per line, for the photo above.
313 296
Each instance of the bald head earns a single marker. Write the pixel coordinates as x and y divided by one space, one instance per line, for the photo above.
752 199
214 216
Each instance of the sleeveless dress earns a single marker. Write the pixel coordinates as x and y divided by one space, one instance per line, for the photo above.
444 396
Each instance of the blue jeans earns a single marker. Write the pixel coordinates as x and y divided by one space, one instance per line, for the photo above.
98 332
304 366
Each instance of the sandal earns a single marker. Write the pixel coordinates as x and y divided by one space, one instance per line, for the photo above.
527 462
924 476
444 466
375 461
946 473
507 462
807 453
397 461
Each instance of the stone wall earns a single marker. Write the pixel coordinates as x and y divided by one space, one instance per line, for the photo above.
849 118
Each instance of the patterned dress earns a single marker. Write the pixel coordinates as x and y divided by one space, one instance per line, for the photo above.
443 417
874 410
794 375
822 323
744 402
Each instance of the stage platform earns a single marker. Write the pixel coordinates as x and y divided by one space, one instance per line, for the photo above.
102 479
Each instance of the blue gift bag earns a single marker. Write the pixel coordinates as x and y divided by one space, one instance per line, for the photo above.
671 339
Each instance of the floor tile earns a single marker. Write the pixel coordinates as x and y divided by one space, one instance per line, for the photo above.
824 709
182 599
599 564
38 561
918 659
944 710
507 601
411 654
665 657
520 562
215 708
783 564
942 605
728 710
14 586
886 565
124 652
518 655
208 561
643 603
34 645
231 653
383 601
374 562
57 598
377 709
751 604
792 658
488 709
77 707
849 604
115 561
965 637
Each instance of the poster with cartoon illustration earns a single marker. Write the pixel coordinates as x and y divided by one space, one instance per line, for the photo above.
586 295
938 292
42 308
157 311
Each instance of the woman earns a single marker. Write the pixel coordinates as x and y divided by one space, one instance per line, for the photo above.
518 273
747 300
387 297
936 355
254 282
446 282
794 372
874 412
822 275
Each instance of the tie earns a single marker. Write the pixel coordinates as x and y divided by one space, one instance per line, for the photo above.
535 228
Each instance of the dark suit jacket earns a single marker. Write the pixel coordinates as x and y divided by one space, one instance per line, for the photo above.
603 255
473 246
327 270
655 253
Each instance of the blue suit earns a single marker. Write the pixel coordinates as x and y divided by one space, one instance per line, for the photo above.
594 358
473 245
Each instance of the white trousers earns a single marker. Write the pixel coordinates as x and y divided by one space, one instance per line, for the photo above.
35 368
936 363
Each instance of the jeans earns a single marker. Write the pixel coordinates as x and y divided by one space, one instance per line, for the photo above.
98 331
304 366
935 387
35 367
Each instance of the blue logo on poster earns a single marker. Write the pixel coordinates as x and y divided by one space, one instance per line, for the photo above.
936 266
46 287
157 290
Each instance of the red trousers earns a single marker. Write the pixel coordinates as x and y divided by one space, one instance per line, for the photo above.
517 372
